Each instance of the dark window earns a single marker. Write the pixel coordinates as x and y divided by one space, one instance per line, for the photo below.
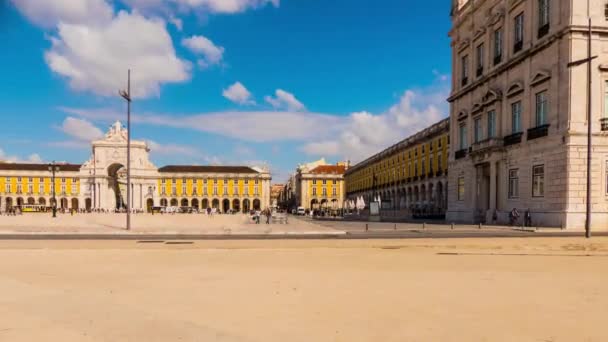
518 33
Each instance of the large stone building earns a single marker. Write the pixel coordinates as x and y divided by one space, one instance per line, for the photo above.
101 182
410 175
518 111
319 185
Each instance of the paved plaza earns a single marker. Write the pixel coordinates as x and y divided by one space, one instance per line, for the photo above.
314 290
202 224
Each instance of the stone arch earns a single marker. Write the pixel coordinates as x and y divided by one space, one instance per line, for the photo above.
163 202
174 202
225 205
184 202
257 204
236 205
205 203
88 204
416 194
117 184
63 203
149 205
194 203
313 203
215 203
20 201
8 203
423 193
42 201
246 205
75 203
31 200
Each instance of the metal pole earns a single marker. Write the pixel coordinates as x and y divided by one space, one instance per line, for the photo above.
54 198
129 150
589 84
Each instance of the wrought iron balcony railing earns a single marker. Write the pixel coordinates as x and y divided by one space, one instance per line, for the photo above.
460 154
512 139
538 132
604 124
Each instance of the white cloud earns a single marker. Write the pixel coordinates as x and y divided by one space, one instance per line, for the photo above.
80 129
237 93
174 149
228 6
366 134
355 136
33 158
284 100
206 6
48 13
178 23
261 126
202 46
96 58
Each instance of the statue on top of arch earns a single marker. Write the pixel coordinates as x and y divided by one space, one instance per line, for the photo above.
117 132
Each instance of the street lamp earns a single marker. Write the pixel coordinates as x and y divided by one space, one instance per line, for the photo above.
127 96
570 65
54 168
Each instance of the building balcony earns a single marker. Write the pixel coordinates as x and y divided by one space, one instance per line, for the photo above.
518 46
538 132
460 154
604 124
487 145
543 30
512 139
497 59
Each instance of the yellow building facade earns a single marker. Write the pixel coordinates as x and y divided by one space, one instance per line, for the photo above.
410 175
320 185
100 182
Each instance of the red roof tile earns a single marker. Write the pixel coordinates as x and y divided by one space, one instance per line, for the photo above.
329 169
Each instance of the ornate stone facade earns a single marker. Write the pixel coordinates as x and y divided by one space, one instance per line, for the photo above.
518 112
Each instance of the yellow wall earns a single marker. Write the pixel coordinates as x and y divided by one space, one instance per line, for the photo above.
200 185
401 165
46 181
329 186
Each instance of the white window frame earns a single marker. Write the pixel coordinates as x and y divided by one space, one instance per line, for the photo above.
479 53
544 13
513 186
516 113
538 181
491 124
462 136
518 28
541 112
477 130
498 44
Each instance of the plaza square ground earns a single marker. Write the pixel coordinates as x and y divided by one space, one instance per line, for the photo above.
539 289
147 223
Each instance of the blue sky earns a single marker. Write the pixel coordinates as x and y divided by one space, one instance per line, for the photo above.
279 82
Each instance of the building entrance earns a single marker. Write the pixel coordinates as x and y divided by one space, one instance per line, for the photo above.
482 191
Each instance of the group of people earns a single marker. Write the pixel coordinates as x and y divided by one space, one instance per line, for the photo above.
14 211
514 217
258 213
